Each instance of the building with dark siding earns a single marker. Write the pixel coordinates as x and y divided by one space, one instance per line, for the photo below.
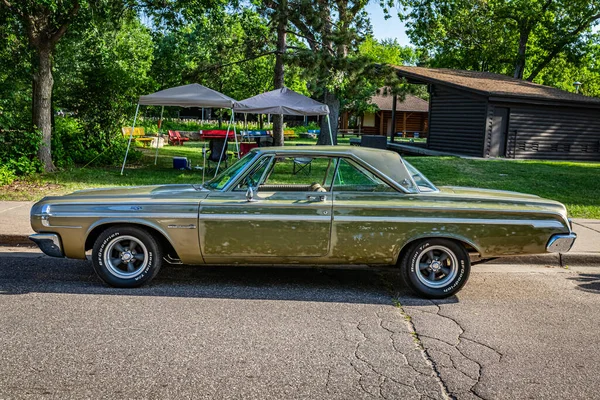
482 114
412 116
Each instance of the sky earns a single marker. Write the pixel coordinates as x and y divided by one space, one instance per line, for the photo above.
390 28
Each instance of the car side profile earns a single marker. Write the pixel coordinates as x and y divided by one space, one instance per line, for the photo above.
315 205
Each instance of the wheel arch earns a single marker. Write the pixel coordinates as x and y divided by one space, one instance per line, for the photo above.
96 230
469 245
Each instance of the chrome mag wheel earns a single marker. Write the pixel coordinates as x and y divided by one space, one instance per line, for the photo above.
437 266
126 257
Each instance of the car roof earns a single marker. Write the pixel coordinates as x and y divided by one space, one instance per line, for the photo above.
387 162
379 156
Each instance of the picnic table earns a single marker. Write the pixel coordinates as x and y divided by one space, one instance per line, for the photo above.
208 134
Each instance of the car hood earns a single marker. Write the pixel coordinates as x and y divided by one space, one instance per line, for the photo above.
132 193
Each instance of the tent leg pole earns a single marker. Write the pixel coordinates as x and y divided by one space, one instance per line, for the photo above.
203 160
224 150
130 137
237 145
158 135
330 132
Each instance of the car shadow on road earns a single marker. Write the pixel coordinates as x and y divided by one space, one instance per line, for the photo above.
352 285
587 282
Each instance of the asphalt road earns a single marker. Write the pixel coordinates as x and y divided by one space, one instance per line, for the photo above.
274 333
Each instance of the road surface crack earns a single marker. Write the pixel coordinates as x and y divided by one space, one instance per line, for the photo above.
360 360
461 338
426 356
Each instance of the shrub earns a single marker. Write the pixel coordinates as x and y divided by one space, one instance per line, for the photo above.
303 128
7 176
73 145
18 151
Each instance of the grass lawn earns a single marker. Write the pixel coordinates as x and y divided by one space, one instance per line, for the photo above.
577 185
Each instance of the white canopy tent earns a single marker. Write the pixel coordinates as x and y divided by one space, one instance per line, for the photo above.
283 101
193 95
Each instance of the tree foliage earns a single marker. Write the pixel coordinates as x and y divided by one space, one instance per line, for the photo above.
329 33
384 54
100 74
514 37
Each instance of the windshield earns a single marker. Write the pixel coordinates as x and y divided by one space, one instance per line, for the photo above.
222 179
422 182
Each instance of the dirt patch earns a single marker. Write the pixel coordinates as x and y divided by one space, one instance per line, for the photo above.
27 190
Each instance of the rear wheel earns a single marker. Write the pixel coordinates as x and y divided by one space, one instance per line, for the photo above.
436 268
126 256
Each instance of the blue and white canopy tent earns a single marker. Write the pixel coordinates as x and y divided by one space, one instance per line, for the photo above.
193 95
283 101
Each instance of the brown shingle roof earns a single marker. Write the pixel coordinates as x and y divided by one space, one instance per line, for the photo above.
490 84
410 103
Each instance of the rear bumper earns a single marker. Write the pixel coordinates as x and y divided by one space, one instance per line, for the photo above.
561 243
49 243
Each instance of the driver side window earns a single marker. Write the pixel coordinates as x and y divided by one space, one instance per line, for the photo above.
291 174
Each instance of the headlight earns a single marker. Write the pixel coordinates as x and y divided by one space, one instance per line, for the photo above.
45 215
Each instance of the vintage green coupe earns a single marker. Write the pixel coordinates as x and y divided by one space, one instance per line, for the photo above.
311 205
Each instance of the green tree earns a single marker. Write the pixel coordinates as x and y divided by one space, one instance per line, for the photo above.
100 73
384 54
563 71
233 53
517 37
44 23
388 51
15 76
330 32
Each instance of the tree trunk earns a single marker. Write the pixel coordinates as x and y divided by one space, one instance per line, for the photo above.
42 104
521 54
334 112
279 73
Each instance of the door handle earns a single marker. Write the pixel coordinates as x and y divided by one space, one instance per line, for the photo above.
316 198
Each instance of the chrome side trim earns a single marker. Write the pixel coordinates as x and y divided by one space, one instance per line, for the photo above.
470 221
49 243
258 217
131 214
561 243
445 209
191 226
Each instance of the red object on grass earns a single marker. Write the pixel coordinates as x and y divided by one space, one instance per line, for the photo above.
246 147
175 138
217 134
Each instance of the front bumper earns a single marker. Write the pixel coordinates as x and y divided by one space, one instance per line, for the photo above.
49 243
561 243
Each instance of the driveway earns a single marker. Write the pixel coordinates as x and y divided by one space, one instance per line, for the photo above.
262 333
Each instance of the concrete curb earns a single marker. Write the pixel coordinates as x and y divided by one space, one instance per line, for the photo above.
15 240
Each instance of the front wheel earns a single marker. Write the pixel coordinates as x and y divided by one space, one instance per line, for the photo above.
126 256
436 268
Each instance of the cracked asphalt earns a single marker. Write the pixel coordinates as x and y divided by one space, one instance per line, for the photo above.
293 333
